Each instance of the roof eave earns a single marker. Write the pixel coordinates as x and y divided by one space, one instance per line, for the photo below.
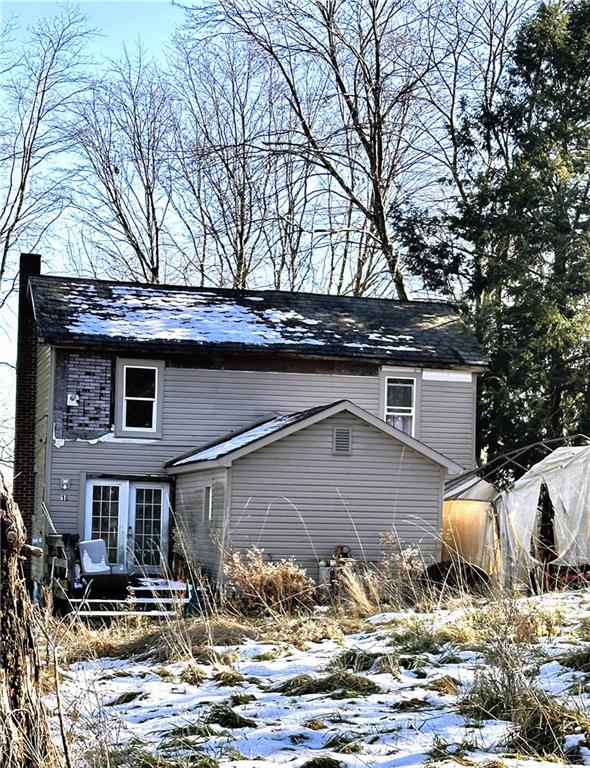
199 466
188 347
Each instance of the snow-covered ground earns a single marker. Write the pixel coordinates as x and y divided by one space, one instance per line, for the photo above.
411 718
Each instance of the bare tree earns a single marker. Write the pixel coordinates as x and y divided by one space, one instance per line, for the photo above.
350 70
122 136
463 88
38 89
222 170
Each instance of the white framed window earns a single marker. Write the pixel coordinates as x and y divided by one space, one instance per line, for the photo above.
400 403
139 397
207 490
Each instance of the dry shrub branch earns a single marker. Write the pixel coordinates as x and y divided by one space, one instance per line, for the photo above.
261 587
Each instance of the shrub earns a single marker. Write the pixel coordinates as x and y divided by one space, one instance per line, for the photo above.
261 586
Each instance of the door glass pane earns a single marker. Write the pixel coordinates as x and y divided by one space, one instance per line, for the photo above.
148 526
105 517
140 382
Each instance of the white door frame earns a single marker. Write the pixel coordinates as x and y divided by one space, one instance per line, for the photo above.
126 513
164 521
123 486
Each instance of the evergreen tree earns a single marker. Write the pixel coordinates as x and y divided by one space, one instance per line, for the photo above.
520 237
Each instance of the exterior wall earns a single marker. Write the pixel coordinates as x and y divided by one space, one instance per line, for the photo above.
200 541
296 498
42 435
448 417
87 375
201 405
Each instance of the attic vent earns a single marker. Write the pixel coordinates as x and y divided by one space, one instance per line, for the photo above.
342 440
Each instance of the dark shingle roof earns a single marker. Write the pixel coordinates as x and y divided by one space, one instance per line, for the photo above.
127 315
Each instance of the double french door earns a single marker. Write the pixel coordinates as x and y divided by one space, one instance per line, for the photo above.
133 519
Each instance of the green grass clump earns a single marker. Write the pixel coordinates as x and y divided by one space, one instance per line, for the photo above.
343 680
322 762
346 743
356 659
224 715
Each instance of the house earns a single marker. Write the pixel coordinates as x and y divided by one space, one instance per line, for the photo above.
177 422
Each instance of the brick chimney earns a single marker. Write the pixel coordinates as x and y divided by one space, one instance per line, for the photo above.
26 377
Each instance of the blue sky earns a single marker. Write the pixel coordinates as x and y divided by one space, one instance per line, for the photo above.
150 21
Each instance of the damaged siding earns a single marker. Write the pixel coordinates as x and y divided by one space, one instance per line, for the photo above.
87 375
297 498
198 540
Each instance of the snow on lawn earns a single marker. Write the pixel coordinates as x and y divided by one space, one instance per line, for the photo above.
396 705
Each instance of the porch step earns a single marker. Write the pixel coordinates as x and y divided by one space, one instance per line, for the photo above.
113 613
130 601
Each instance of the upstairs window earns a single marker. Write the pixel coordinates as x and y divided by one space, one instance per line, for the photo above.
138 405
139 399
400 404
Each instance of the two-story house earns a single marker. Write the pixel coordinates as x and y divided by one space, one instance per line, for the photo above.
203 419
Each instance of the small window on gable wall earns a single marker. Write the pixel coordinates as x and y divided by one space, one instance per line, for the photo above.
400 399
138 405
207 504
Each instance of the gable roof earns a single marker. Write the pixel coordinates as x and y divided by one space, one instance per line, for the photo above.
226 450
127 315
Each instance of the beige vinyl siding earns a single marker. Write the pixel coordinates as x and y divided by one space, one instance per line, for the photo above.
296 498
200 541
199 406
42 434
448 418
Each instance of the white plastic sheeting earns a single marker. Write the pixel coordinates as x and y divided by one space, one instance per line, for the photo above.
566 474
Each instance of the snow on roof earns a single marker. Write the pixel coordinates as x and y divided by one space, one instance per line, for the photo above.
103 313
251 435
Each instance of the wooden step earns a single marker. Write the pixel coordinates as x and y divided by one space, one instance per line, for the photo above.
112 614
130 601
158 590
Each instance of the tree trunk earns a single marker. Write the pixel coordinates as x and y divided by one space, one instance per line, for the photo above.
24 730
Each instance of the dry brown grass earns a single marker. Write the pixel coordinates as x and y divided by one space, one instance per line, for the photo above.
192 639
125 638
259 586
